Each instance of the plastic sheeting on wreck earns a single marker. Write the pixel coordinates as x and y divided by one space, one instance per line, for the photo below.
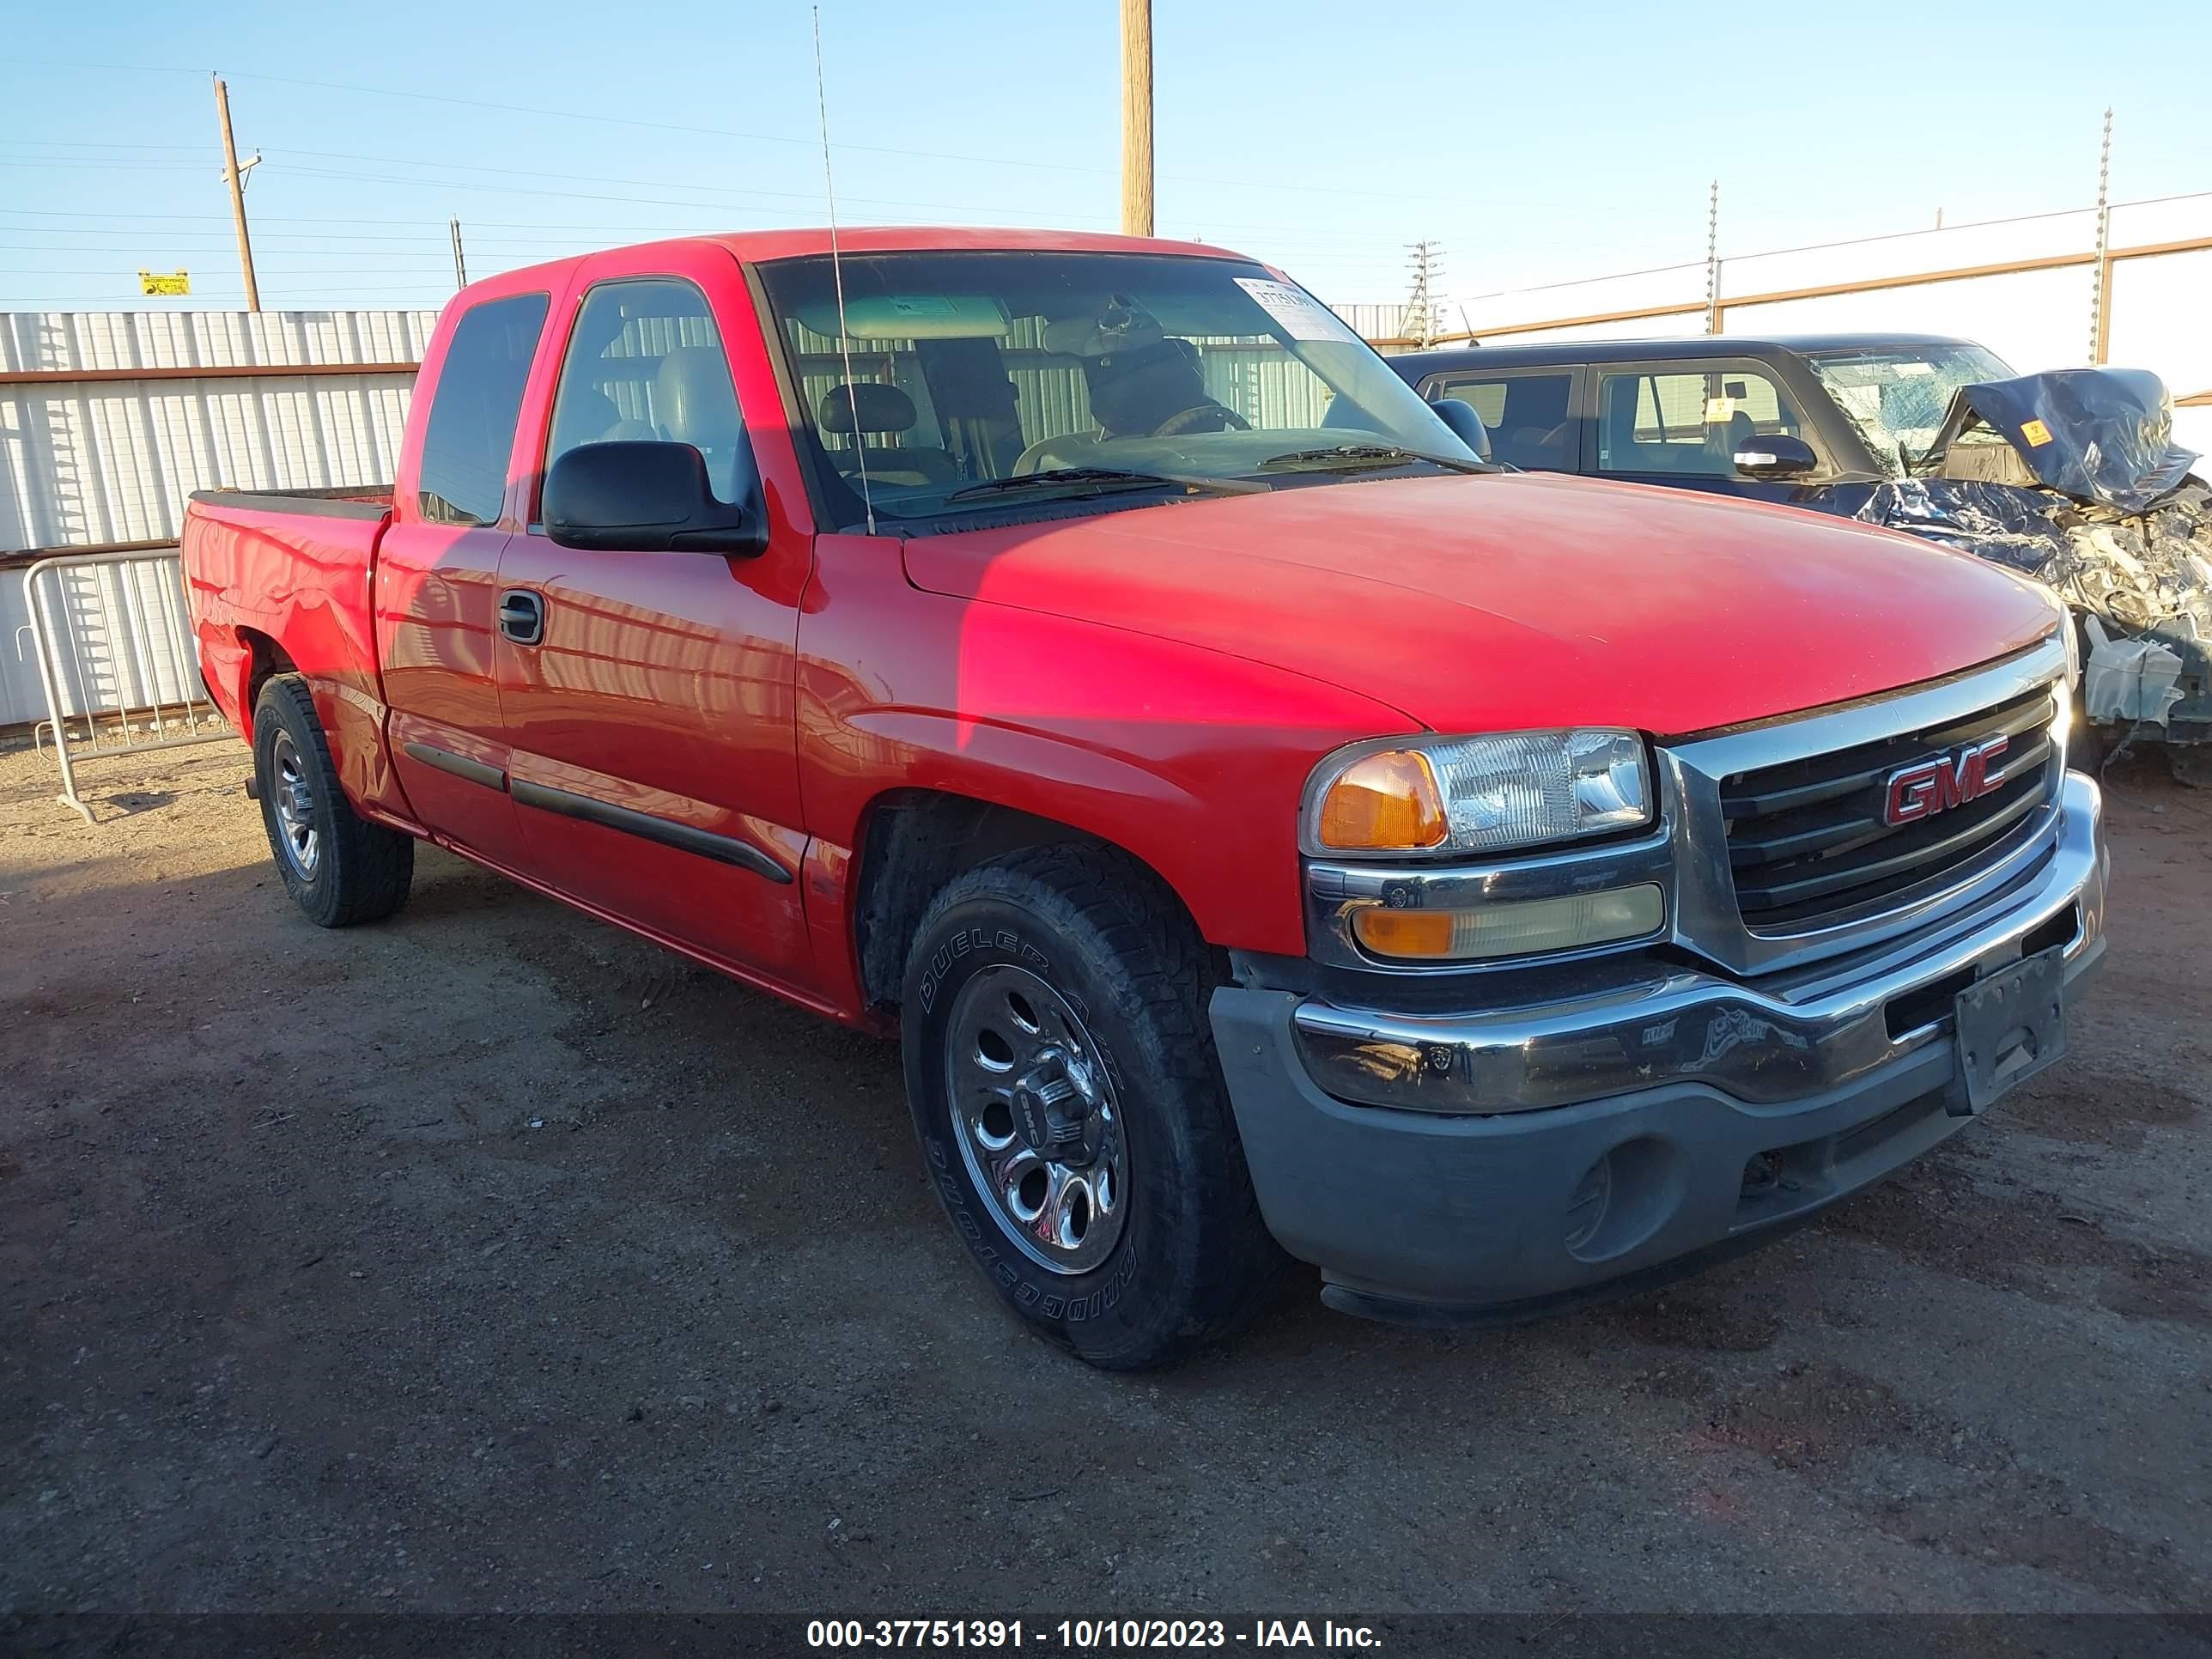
2073 478
2101 436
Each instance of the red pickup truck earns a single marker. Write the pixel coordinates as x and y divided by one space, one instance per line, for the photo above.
1267 826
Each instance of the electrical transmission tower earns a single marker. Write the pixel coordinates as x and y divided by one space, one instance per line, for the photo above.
1425 260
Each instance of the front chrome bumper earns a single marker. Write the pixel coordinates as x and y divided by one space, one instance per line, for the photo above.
1762 1044
1682 1114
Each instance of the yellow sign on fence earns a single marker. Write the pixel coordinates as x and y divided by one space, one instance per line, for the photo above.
174 281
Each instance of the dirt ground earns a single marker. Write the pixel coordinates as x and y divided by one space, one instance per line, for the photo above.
490 1258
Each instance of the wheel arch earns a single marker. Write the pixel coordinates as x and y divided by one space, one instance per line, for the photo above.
914 840
265 659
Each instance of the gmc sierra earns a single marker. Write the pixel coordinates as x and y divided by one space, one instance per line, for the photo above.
1267 826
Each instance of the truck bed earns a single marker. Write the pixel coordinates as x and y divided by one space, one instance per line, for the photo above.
280 580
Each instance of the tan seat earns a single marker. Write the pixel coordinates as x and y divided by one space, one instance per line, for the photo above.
693 403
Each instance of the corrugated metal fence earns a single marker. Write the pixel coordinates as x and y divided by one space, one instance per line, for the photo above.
109 420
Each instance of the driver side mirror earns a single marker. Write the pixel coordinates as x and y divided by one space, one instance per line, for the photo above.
1776 456
1465 424
644 497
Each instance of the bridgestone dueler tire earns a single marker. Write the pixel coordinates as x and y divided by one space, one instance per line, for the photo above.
1193 1261
363 870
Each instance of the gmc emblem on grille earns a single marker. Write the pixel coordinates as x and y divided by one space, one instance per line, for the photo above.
1941 782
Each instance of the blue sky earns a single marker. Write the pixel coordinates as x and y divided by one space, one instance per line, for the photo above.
1534 142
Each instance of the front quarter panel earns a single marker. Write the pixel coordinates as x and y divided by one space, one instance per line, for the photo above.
1190 759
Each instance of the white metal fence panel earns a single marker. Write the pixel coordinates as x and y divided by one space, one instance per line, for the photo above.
122 635
111 642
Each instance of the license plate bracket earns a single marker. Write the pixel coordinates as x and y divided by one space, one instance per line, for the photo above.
2011 1025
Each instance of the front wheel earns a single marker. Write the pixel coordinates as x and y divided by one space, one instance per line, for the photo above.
1061 1074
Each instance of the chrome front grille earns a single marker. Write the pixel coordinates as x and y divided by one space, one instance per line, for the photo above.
1807 839
1782 857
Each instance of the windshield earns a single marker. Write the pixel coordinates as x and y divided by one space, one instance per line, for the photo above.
962 383
1896 396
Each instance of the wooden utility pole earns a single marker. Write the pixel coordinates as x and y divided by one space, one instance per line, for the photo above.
1136 118
236 181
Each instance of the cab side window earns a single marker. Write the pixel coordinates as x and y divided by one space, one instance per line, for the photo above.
646 364
471 434
1687 421
1531 426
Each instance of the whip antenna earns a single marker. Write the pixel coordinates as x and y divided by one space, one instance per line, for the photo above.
838 275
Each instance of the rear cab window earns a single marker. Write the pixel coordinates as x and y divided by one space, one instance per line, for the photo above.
1688 420
470 435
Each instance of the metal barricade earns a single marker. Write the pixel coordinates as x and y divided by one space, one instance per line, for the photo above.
113 640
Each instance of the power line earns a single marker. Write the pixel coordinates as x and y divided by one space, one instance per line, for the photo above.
1848 241
277 152
1301 187
89 144
564 195
45 165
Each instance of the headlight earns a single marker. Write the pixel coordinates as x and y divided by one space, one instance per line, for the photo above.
1486 794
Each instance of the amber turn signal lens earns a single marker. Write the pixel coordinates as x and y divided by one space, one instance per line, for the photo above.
1524 928
1405 933
1386 801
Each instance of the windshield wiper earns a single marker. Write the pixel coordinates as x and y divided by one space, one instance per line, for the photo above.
1102 479
1348 457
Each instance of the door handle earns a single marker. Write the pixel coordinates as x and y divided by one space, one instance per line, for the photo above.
522 615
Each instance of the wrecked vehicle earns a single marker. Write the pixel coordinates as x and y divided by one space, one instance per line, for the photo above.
2070 476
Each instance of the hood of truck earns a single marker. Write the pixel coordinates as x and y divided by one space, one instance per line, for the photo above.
1517 601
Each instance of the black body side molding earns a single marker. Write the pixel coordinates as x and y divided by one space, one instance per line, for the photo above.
459 765
723 849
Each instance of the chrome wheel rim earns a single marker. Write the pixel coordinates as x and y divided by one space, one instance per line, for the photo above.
1035 1115
294 797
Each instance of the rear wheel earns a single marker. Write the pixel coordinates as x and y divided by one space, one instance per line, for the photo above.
1061 1074
337 866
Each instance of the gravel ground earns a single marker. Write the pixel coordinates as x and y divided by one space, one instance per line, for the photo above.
490 1258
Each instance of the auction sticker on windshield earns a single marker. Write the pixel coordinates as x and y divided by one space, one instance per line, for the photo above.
1302 316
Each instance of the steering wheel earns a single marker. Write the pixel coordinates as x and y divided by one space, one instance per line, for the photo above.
1194 419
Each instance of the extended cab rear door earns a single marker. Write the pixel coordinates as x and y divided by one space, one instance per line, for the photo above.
652 711
437 573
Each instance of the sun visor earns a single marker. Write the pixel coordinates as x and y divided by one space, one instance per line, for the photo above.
912 317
